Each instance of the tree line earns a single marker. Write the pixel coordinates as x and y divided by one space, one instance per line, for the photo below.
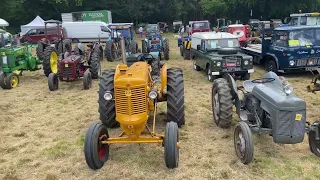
20 12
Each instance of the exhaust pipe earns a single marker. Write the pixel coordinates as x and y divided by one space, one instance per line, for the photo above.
123 51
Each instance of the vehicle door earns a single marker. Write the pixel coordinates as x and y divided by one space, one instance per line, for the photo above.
201 60
38 36
52 34
279 46
30 35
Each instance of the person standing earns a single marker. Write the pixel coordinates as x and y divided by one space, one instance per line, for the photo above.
140 31
181 31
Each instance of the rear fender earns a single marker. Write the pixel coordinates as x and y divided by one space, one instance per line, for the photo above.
163 78
234 91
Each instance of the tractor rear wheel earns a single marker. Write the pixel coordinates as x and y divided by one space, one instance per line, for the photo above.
94 62
171 149
222 103
110 51
53 82
107 108
175 96
166 50
243 142
313 143
67 46
133 47
96 153
50 61
186 54
87 79
2 80
40 50
12 81
144 46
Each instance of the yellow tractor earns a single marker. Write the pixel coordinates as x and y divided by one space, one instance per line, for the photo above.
128 96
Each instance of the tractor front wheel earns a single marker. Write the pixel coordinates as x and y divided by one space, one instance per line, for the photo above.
221 99
87 79
107 107
314 144
166 51
175 96
96 153
243 142
11 81
50 61
171 147
53 82
2 80
186 54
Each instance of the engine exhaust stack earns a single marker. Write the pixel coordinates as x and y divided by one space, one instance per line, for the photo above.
123 51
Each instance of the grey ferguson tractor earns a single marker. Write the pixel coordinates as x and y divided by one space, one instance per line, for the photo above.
265 106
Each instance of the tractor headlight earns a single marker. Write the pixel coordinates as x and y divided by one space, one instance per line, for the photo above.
218 63
153 94
107 96
288 89
291 63
246 62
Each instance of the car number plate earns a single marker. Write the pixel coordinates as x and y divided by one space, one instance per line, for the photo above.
66 65
231 64
312 68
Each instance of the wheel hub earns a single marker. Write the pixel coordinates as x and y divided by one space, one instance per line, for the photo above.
209 74
241 143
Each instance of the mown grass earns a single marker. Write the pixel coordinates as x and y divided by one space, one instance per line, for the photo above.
42 135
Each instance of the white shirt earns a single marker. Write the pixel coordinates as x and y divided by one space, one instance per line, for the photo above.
182 30
140 29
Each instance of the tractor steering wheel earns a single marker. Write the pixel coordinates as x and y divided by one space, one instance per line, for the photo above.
263 80
145 57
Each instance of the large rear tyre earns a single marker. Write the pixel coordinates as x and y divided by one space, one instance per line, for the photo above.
94 62
186 54
133 47
53 82
144 46
314 144
107 108
40 50
175 96
64 46
110 51
171 149
243 142
166 51
50 61
96 153
87 79
222 103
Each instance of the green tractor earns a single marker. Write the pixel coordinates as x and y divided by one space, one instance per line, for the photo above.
14 60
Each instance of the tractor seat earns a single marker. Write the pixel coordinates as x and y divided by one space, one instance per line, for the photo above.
248 85
90 45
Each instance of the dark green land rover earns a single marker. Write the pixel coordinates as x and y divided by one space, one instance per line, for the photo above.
218 53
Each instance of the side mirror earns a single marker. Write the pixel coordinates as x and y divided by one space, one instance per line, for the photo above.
104 29
198 47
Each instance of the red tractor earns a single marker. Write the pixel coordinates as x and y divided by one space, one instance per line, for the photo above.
52 46
243 32
81 63
199 26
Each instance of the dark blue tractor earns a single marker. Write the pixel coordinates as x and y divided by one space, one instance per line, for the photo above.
155 42
113 48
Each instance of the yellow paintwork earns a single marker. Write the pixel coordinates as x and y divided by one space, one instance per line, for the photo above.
298 117
54 62
163 77
14 81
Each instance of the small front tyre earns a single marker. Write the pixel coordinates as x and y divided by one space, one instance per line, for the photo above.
96 153
171 148
53 82
87 79
243 142
12 81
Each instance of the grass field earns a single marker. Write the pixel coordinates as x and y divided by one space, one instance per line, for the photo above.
42 135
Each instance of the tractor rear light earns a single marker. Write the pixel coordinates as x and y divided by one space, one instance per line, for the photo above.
107 96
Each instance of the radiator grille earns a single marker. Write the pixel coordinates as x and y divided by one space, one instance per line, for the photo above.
67 71
137 100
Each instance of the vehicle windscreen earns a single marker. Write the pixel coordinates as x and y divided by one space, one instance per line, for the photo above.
304 37
215 44
152 28
125 32
203 25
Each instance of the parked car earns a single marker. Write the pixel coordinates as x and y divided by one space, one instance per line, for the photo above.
34 35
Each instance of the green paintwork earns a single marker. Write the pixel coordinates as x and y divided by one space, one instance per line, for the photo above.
95 16
211 59
18 59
